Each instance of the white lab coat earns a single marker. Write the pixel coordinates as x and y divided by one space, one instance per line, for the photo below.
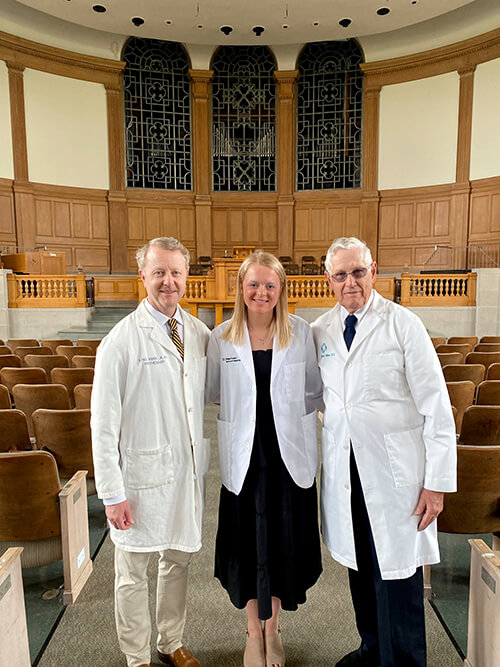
387 396
295 394
147 430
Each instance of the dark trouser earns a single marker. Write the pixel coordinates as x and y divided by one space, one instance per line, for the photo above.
389 613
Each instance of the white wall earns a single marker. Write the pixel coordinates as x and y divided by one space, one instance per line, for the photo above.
6 159
485 140
418 132
66 131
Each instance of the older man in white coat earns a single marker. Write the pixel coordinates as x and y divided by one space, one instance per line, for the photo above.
389 454
150 456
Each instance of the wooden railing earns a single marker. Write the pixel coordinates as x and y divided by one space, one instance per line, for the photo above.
30 291
438 289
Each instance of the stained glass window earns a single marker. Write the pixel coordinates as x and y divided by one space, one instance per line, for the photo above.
243 120
329 111
157 115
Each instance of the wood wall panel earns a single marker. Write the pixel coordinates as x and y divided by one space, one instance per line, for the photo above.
484 225
74 221
7 220
412 221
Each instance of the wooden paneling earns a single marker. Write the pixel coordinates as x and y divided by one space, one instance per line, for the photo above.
7 224
485 211
74 221
412 221
321 217
155 213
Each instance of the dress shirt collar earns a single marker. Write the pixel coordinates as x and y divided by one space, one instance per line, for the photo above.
360 313
163 319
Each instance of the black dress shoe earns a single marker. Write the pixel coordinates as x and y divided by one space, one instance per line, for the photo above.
357 659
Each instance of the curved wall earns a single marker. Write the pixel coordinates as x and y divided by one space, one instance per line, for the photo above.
485 148
6 157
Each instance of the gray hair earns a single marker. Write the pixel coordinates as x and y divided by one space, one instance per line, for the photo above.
347 243
165 242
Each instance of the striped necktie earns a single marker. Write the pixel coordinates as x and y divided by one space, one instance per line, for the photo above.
176 339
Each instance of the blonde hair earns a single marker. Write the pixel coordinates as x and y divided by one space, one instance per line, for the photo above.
235 330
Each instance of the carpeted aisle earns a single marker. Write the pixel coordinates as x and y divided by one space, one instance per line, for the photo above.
317 635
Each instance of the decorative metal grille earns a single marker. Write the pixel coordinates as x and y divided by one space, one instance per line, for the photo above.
244 120
157 115
329 116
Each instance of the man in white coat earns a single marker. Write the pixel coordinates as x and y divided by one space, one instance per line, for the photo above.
389 454
150 456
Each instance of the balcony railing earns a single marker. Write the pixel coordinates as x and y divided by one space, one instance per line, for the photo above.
30 291
438 289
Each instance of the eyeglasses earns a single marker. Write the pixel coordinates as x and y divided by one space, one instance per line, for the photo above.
357 274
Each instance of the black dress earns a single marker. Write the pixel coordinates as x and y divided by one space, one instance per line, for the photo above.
268 540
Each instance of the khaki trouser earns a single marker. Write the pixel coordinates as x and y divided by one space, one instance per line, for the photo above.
133 622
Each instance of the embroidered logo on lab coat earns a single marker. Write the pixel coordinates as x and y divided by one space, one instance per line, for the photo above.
324 353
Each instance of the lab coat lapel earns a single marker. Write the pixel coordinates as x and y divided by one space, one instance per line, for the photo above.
158 333
336 332
278 357
245 354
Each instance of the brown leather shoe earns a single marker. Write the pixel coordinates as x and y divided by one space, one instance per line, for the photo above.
180 658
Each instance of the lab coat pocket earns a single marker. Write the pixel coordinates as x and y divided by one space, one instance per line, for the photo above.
328 452
149 468
406 452
295 377
384 376
309 422
224 432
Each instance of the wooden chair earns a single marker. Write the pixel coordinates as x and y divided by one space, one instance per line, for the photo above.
83 361
487 347
307 259
39 351
70 377
292 269
488 393
31 397
53 343
71 350
474 508
458 372
485 358
50 523
5 349
10 361
461 349
438 340
93 343
66 435
447 358
5 403
21 342
47 362
82 396
480 425
461 396
493 372
13 376
285 259
310 270
471 340
486 339
14 434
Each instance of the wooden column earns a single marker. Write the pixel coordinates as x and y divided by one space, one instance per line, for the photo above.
24 203
369 171
459 204
117 202
286 163
202 163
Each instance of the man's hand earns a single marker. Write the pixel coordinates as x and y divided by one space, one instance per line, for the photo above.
430 506
119 515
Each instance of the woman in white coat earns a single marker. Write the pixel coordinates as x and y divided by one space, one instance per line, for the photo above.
262 368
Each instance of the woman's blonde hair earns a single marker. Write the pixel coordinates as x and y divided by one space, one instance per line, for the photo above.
235 330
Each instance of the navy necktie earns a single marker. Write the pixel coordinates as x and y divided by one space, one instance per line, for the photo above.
350 329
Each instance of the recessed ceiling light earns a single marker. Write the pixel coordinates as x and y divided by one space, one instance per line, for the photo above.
199 26
383 11
100 9
315 24
284 26
345 23
226 29
168 22
137 21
